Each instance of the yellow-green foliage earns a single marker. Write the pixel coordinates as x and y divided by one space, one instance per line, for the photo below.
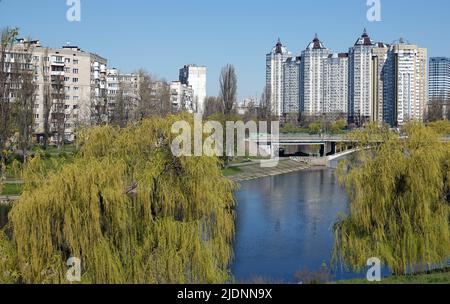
442 127
177 227
399 210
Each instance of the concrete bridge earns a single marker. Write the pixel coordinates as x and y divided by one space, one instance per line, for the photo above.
296 144
303 144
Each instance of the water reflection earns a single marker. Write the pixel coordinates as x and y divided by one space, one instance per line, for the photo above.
284 224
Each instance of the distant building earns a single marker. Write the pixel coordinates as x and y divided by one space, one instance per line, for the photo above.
291 86
361 108
77 82
336 84
195 77
248 105
379 76
312 82
406 88
182 96
275 62
125 86
439 79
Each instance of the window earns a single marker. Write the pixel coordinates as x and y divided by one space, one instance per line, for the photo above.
66 79
59 59
75 61
67 70
75 80
36 58
75 71
75 98
76 89
75 107
67 60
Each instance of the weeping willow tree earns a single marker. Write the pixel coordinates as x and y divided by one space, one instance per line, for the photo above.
125 206
399 201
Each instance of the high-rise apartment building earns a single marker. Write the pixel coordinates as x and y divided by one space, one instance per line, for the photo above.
181 96
312 82
195 77
406 87
379 74
70 81
122 94
275 63
336 84
439 79
291 86
360 80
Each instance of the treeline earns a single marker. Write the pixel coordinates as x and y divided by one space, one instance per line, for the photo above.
399 191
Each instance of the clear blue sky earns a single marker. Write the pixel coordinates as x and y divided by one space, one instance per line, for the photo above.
161 36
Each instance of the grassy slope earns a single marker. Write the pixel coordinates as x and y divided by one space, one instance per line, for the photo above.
231 171
11 189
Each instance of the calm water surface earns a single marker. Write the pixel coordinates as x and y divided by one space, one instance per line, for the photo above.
284 224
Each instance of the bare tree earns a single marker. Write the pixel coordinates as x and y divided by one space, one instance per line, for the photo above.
213 105
47 101
59 109
448 106
228 89
144 95
23 107
163 103
99 109
265 109
6 87
436 110
120 115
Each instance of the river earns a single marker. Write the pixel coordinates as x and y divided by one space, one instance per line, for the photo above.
284 225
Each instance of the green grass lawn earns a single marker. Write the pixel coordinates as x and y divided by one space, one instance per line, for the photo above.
53 150
231 171
433 278
12 189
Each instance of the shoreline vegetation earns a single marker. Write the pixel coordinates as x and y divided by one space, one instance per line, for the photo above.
432 277
56 164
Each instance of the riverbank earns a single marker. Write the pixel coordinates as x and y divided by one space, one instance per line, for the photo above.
438 277
254 170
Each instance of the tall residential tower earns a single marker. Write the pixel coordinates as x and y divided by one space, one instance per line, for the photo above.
275 62
312 82
360 80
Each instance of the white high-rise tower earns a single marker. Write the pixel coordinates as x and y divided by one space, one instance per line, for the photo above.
195 77
275 61
312 82
360 80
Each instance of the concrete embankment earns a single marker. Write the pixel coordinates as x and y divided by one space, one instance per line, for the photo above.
255 170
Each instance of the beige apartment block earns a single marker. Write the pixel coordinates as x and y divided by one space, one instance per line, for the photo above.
125 86
411 82
379 58
82 75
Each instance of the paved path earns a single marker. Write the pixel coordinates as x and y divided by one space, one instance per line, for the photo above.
14 182
255 171
6 200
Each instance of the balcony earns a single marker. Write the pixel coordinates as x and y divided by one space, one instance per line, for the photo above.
57 73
